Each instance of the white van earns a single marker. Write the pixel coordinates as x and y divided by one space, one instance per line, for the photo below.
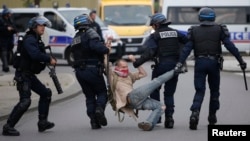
235 14
59 36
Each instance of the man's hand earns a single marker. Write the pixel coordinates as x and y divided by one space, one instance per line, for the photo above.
178 68
52 61
108 43
131 58
243 65
10 28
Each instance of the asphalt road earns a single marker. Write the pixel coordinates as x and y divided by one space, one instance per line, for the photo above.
72 123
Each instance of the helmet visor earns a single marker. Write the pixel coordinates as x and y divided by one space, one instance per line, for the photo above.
43 21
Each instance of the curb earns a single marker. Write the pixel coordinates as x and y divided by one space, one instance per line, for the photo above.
4 117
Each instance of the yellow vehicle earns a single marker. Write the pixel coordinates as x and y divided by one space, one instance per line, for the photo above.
129 19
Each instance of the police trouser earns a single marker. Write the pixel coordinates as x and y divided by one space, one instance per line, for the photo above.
6 52
26 83
169 86
210 68
94 88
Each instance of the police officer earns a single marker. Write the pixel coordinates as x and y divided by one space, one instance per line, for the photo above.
7 30
205 39
95 25
33 61
88 52
163 46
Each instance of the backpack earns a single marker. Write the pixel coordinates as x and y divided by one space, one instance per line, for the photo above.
112 98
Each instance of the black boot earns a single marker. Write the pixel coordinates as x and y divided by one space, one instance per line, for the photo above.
9 131
169 122
212 119
94 124
194 119
100 117
44 124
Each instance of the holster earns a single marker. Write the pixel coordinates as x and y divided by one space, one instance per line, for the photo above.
220 61
19 82
156 62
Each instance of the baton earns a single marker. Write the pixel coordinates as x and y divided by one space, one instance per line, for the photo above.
245 80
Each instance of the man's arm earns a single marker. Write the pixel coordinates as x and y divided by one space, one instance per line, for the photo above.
142 72
150 50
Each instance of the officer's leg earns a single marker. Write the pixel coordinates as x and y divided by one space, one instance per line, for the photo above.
169 90
90 97
157 110
200 87
214 84
101 92
44 103
4 58
19 109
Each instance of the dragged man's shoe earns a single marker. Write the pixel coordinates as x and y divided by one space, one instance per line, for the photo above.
44 125
145 126
169 122
194 119
9 131
100 117
212 119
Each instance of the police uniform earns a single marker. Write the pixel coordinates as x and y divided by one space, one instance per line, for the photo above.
88 53
6 39
97 28
33 61
164 46
205 40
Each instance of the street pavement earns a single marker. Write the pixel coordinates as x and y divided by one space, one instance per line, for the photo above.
9 95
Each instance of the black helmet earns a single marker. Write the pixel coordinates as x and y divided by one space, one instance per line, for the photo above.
158 18
206 14
39 20
6 11
81 21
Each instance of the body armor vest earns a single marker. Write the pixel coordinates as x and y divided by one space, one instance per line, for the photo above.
29 65
207 40
81 50
168 43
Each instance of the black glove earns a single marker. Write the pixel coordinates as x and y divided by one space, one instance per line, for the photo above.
178 68
243 65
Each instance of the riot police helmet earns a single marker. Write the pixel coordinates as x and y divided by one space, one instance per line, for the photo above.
81 21
158 18
206 14
39 20
6 11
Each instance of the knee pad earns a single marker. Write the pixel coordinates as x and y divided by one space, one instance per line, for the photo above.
24 104
49 94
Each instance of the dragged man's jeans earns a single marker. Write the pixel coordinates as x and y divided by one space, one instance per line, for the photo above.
139 97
